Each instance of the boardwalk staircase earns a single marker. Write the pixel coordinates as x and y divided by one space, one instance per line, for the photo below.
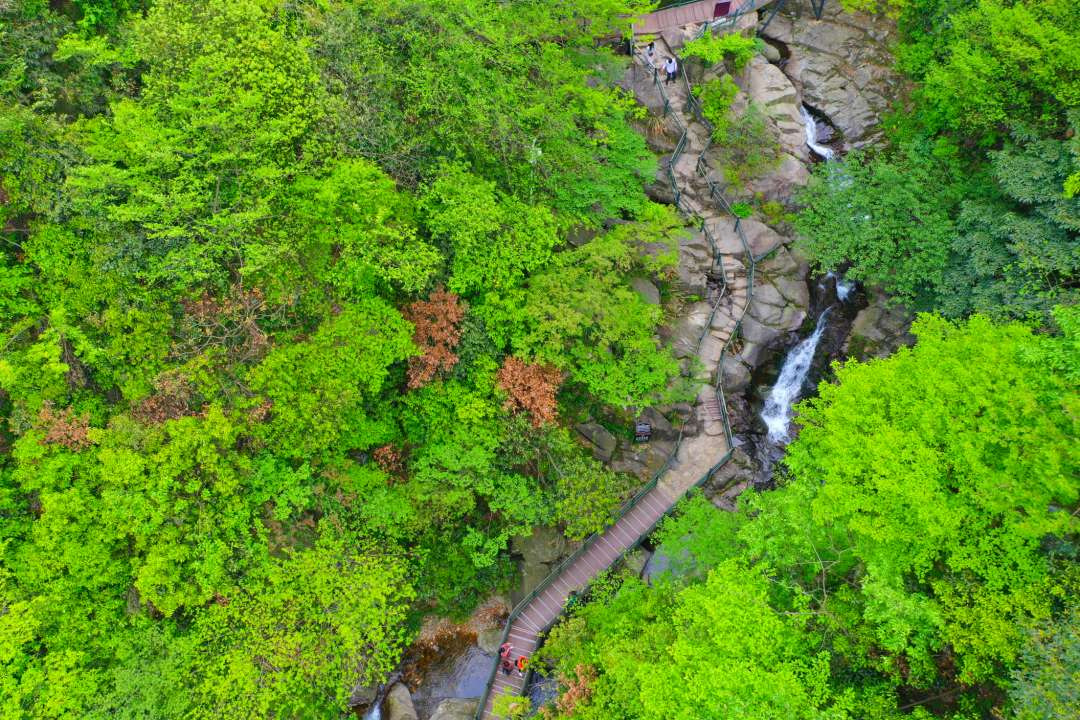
694 460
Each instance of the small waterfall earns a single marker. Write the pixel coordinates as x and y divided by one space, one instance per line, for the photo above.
843 285
811 135
374 713
777 412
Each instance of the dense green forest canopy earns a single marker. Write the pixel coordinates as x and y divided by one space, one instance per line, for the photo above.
288 311
294 337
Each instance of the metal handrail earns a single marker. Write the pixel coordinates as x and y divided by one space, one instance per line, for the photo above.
692 214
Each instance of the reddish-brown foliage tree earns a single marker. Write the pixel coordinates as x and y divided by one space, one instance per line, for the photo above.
391 460
531 388
64 427
577 689
172 400
231 321
436 320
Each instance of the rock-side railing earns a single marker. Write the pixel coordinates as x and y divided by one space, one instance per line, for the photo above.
684 206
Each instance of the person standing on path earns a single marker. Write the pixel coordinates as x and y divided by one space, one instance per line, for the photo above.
521 663
672 69
650 54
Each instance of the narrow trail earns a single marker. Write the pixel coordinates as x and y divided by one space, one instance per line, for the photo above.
694 459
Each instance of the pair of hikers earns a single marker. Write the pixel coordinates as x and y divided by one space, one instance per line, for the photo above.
671 67
506 665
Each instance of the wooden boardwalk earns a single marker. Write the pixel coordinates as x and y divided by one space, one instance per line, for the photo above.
623 535
691 14
696 459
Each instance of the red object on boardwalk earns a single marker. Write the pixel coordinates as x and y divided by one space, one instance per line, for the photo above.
722 9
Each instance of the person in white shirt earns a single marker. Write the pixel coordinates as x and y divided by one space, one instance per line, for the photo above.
650 53
672 69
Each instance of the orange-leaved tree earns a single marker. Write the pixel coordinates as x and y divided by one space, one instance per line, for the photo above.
437 335
531 388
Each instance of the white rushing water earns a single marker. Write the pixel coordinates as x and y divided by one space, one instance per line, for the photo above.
777 412
811 135
374 713
843 286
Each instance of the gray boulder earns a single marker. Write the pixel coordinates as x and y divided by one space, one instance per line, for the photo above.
695 252
792 317
544 545
400 704
795 291
659 192
773 92
634 465
764 313
581 235
779 181
488 640
456 709
755 332
693 283
647 290
768 85
781 28
709 352
880 329
684 338
363 695
843 67
779 263
639 81
661 428
600 437
736 375
761 238
530 576
768 294
750 354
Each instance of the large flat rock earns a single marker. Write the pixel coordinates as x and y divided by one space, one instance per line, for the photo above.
696 458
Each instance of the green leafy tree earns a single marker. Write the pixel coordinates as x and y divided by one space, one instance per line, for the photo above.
354 206
494 240
322 620
183 179
716 48
1044 686
960 505
1008 62
893 218
580 314
317 389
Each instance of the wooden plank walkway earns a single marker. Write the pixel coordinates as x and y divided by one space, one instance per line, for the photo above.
691 14
697 459
624 534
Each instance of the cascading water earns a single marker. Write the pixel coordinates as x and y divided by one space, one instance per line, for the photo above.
777 412
811 135
843 285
